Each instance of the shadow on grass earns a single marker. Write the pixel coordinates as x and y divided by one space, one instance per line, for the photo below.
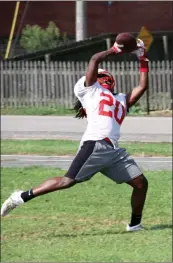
159 227
109 232
91 234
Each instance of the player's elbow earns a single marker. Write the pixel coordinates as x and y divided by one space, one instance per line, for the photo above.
95 58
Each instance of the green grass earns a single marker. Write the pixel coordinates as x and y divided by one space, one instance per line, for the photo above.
37 111
85 223
65 147
60 111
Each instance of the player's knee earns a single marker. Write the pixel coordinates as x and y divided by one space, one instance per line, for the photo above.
140 182
67 182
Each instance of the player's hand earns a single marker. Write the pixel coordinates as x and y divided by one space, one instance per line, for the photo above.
140 52
117 48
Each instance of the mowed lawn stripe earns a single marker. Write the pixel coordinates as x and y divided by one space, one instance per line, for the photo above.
68 147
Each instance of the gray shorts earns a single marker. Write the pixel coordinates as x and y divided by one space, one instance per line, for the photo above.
101 156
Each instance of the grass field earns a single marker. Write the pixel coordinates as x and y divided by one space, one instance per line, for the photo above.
37 111
85 223
62 147
62 111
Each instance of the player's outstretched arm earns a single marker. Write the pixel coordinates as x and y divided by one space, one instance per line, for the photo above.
92 71
133 96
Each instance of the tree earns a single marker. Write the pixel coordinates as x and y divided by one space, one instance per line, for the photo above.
34 38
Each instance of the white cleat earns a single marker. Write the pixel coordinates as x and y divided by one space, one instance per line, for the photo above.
134 228
12 202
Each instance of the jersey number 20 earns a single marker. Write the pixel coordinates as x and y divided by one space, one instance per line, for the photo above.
110 102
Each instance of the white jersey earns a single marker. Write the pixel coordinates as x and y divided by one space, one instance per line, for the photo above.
105 111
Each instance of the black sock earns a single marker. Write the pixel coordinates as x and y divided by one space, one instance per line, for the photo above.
28 195
135 220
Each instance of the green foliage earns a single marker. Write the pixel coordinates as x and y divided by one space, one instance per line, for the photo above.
34 38
136 110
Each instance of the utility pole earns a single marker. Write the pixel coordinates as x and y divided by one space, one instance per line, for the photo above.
19 29
81 20
16 12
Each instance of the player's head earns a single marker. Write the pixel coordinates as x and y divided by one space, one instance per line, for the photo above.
106 79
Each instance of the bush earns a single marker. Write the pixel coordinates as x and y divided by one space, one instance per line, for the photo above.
34 38
136 109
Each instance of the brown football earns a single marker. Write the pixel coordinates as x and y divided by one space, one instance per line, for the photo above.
126 41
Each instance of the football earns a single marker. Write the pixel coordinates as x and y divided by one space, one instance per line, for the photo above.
126 41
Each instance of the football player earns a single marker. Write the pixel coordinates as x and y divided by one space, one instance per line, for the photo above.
99 149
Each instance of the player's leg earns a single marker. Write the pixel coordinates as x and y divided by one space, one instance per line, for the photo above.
59 183
20 197
77 172
138 197
125 170
53 184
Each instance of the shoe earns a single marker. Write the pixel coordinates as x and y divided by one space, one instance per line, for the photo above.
134 228
12 202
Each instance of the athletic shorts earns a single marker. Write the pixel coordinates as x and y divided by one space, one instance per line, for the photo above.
101 156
